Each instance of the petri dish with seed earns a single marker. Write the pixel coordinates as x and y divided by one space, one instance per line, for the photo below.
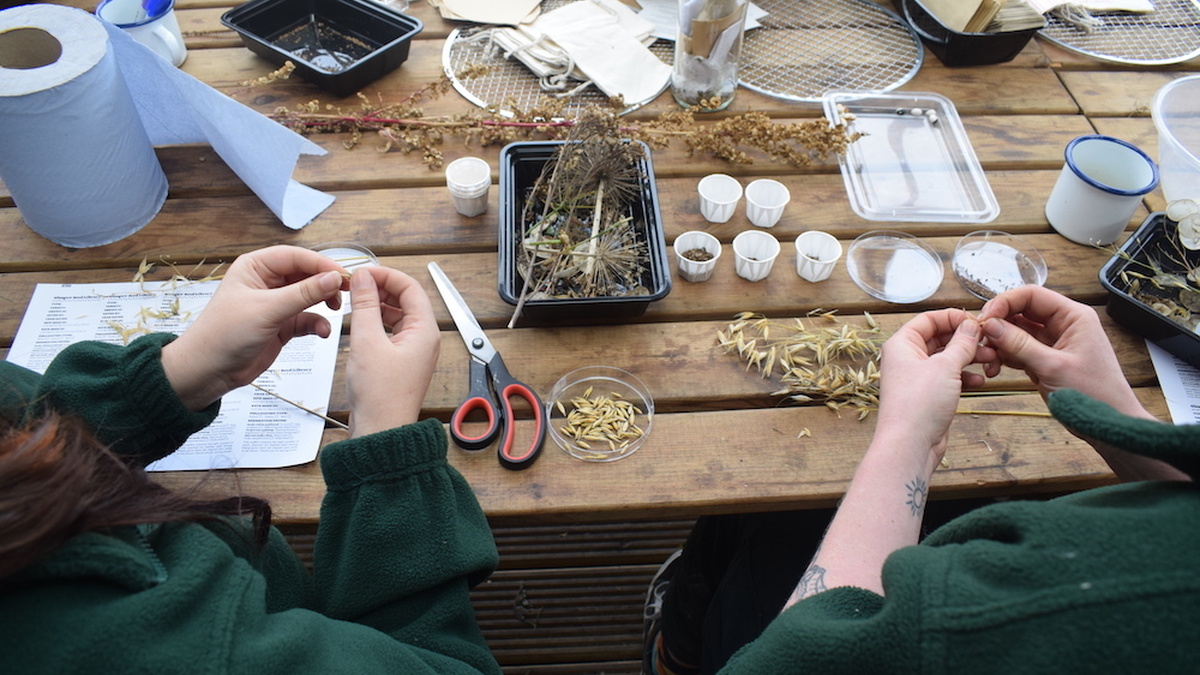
989 262
599 413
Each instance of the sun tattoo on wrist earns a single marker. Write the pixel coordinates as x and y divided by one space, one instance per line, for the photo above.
916 496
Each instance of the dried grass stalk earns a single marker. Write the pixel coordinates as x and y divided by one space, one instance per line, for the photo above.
824 361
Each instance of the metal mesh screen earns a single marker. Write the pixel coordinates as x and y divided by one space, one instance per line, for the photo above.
803 49
806 48
1170 34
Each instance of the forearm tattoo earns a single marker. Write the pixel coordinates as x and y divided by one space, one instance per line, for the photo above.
917 492
812 582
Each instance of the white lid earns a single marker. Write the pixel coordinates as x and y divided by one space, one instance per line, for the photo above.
914 162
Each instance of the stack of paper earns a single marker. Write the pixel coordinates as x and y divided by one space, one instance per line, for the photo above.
1000 16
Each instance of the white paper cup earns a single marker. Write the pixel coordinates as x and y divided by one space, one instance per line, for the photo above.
468 180
1101 185
816 255
754 254
697 270
765 201
719 195
158 31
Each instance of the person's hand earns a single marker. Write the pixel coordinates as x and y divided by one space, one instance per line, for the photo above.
257 308
1059 343
387 375
923 374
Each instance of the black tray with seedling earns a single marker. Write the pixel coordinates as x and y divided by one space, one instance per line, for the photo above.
1152 286
520 166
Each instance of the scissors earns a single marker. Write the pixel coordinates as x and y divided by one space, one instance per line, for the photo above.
492 388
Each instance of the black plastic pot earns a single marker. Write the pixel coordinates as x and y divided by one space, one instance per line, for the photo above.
520 165
370 39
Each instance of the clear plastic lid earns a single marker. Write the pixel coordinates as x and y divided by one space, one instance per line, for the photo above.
914 162
894 266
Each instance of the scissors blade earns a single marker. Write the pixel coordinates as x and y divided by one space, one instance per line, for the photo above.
472 334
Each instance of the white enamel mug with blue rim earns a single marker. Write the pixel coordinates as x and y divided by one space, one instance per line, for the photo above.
1100 187
150 22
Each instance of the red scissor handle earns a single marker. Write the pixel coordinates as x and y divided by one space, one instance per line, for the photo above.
508 457
460 415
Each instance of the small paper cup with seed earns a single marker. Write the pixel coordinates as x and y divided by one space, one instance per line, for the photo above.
697 253
599 413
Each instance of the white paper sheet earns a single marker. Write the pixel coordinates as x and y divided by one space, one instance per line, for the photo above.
599 40
664 14
1180 384
176 108
254 429
1138 6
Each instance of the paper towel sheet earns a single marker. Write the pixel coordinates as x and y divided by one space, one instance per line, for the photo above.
82 106
177 108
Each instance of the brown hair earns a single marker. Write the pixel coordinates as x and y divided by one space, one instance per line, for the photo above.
57 481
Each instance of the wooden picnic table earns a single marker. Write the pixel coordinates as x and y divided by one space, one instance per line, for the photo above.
720 441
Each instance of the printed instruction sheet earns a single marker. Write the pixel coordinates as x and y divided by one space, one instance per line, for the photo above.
254 429
1180 382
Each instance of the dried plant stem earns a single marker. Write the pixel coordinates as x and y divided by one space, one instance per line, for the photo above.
596 213
336 423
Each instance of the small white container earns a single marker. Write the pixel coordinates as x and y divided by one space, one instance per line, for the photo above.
719 196
697 270
468 179
754 254
765 201
816 255
1101 185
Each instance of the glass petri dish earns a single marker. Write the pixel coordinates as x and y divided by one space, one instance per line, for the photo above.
894 266
601 387
989 262
347 254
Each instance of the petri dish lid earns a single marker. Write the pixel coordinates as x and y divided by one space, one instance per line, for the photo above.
914 162
894 266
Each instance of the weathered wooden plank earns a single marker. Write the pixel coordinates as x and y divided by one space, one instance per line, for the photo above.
190 230
1002 143
1072 270
726 461
1115 94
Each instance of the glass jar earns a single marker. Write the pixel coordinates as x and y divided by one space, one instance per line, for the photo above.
707 51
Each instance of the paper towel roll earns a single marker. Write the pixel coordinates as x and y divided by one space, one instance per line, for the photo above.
73 150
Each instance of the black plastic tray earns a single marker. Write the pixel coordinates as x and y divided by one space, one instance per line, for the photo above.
374 39
953 48
1153 242
520 165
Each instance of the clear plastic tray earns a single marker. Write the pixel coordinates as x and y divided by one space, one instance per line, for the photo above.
914 162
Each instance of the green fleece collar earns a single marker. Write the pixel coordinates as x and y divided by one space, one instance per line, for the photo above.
1178 445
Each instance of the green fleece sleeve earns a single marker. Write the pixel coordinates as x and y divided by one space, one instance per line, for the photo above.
402 540
123 396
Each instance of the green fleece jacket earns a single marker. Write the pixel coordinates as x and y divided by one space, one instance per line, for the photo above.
1102 581
401 541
